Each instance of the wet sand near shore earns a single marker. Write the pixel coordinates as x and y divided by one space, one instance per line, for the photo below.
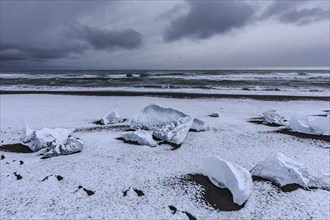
171 95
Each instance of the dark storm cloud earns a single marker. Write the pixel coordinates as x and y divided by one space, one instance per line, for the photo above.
51 30
109 40
289 12
39 52
207 18
76 41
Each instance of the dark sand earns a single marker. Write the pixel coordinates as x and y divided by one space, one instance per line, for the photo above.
261 121
17 148
302 135
286 188
104 128
172 95
219 199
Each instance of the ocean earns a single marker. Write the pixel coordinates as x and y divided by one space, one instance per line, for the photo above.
211 81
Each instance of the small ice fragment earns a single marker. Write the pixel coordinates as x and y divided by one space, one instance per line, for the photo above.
45 137
197 125
310 125
140 136
272 117
176 131
225 174
72 145
111 118
282 171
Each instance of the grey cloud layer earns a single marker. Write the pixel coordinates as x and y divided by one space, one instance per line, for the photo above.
289 12
208 18
36 33
51 30
77 41
110 40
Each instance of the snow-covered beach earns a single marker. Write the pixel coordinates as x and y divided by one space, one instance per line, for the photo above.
111 179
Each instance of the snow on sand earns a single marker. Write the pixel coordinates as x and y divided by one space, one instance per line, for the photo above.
113 179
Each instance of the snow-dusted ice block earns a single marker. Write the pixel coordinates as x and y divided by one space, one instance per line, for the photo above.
272 117
322 181
45 137
225 174
299 122
154 116
282 171
72 145
111 118
197 125
140 136
321 125
175 132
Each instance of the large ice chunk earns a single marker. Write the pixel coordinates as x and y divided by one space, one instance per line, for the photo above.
272 117
225 174
71 145
154 117
322 181
140 136
111 118
176 131
282 171
320 124
45 137
310 125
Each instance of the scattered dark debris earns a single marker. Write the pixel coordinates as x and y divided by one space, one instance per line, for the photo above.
326 110
103 128
125 192
58 177
174 146
303 135
261 121
194 130
321 115
18 176
21 162
98 122
13 161
290 187
156 138
2 157
2 141
139 192
214 115
286 188
89 192
190 216
127 142
16 148
218 198
173 209
130 129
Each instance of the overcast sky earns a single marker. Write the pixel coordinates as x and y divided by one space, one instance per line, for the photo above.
181 34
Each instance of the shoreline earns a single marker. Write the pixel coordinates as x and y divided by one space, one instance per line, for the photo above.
165 94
